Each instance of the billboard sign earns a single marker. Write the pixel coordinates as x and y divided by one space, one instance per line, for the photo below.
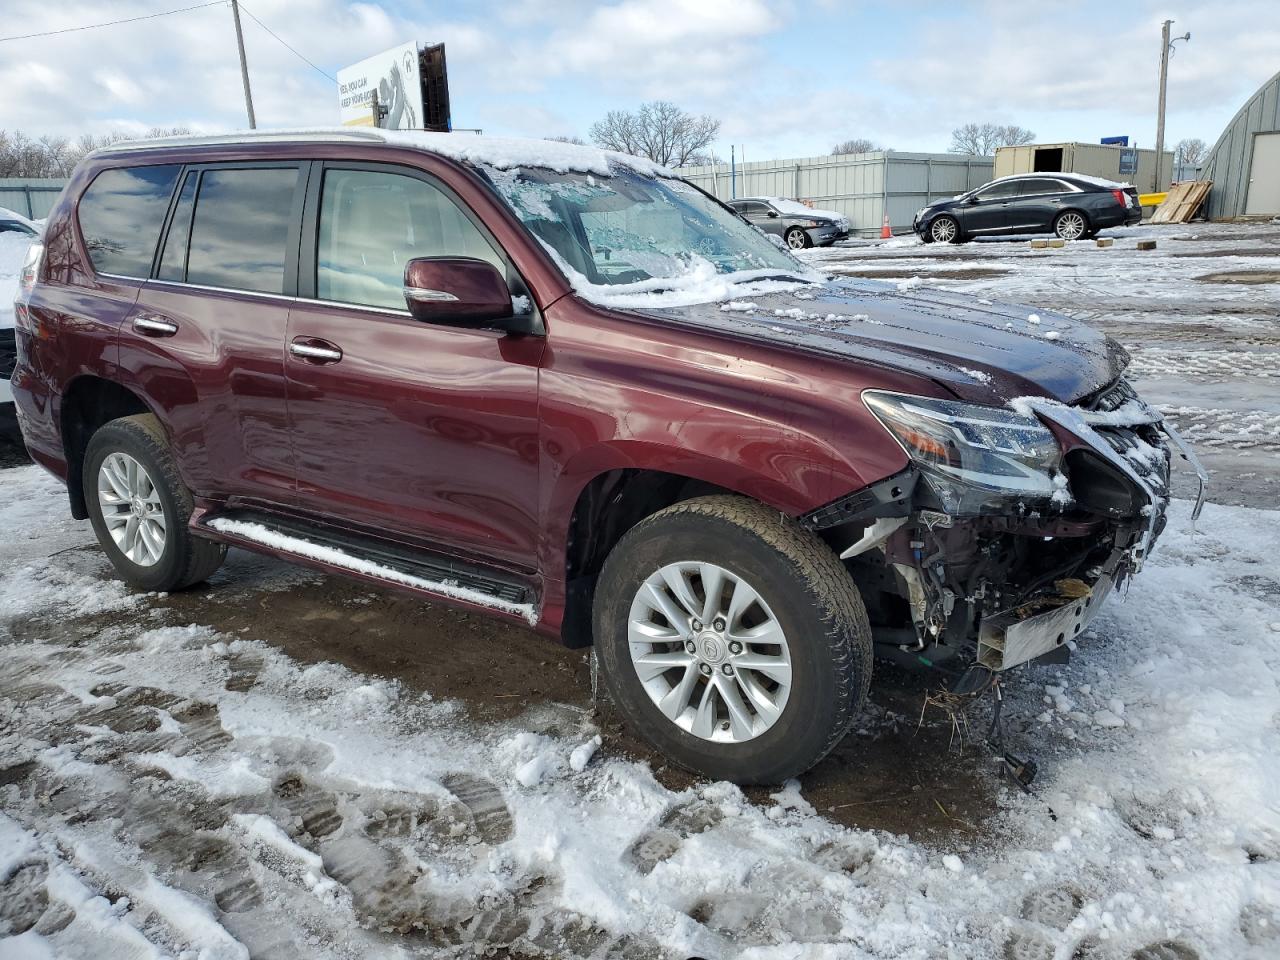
396 77
1129 161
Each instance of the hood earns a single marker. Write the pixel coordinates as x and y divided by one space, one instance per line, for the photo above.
982 351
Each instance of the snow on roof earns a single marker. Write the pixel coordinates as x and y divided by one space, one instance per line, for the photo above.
503 153
1067 174
798 209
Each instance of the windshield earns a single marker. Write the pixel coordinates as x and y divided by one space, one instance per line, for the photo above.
627 228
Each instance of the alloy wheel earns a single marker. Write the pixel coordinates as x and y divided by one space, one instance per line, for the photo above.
1071 226
795 240
709 652
943 230
131 509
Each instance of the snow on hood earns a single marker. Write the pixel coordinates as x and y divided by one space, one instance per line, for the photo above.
700 282
508 153
797 209
983 352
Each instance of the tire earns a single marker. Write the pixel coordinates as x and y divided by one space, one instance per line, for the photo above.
797 239
806 593
1071 225
944 229
183 559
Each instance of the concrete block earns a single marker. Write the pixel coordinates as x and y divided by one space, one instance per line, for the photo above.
1146 244
1045 244
1107 242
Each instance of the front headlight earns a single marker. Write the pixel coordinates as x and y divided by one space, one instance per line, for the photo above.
971 453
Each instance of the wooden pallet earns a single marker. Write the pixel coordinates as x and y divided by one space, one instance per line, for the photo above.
1182 202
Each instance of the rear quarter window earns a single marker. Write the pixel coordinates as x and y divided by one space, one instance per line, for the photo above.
121 215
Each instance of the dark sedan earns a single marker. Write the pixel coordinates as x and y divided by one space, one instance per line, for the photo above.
798 226
1072 206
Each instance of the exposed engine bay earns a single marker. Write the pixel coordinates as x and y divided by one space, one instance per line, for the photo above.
1003 537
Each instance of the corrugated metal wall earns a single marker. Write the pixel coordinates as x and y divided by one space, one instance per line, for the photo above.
857 185
33 198
1229 162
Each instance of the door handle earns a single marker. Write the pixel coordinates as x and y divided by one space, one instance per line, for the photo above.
154 326
315 352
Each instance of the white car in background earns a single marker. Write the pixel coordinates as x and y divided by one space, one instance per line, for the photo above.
16 234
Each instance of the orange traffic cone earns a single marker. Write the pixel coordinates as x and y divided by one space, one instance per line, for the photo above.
886 231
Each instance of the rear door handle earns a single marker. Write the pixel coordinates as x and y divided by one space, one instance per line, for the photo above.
313 350
154 326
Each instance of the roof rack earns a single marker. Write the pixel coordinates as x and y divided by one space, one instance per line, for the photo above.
336 135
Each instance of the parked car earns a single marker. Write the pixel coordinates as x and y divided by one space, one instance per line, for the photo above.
1070 205
16 231
567 389
798 226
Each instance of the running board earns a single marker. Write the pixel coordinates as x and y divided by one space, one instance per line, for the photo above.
369 558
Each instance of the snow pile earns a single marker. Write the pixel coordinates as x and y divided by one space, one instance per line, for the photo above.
163 814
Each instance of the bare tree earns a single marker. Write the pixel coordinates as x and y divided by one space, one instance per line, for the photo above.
982 139
1192 150
857 145
569 139
50 156
659 130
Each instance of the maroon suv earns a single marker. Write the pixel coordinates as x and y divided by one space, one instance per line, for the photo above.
567 388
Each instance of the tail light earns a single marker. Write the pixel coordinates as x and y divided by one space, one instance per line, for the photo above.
1120 197
30 269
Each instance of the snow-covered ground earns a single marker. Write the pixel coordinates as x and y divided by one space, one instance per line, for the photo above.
169 790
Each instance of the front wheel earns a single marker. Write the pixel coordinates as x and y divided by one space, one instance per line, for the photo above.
140 508
944 230
797 239
1071 225
731 639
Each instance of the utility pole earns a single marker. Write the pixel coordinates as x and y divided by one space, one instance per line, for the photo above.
1166 48
244 68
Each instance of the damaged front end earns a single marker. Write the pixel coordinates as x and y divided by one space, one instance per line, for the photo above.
1010 526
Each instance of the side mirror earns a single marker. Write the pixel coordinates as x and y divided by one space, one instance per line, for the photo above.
460 290
773 214
974 199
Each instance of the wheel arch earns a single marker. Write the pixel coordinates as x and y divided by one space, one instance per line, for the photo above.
89 402
602 504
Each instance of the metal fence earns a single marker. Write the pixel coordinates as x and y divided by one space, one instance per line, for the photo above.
31 197
862 186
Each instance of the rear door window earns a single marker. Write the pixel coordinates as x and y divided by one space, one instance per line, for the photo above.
121 215
373 223
240 228
173 261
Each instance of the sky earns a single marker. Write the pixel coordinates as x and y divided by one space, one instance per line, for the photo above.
786 78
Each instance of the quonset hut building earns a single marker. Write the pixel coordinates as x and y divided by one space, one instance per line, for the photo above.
1244 164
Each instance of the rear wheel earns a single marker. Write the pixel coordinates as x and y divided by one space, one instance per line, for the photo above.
731 639
140 508
1071 225
944 230
797 239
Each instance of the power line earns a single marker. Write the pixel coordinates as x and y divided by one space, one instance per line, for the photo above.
285 45
112 23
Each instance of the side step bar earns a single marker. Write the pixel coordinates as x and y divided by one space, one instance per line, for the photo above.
369 558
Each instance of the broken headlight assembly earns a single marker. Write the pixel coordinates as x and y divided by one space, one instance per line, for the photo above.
972 455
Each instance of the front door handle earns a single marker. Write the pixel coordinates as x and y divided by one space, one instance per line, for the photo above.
154 326
315 351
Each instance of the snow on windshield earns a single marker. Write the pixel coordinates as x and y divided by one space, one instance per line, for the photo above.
628 239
